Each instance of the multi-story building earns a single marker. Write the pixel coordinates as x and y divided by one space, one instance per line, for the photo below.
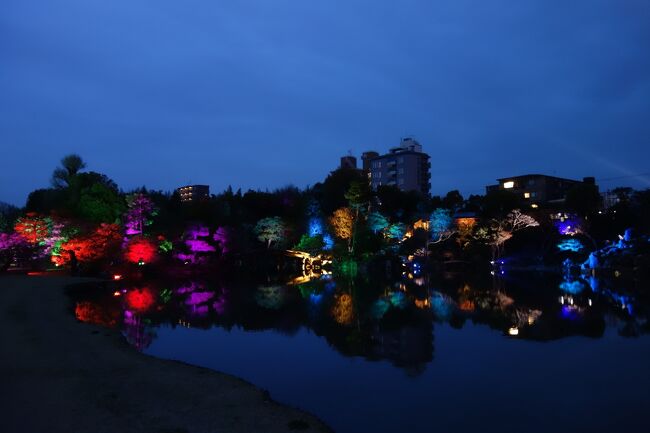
539 188
349 162
194 193
405 167
366 158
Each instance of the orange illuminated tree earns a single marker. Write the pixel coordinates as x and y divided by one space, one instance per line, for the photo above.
342 222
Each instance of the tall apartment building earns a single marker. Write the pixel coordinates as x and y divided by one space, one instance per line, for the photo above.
194 193
405 167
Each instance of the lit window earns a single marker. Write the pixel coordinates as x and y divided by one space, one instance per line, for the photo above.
534 206
508 185
526 195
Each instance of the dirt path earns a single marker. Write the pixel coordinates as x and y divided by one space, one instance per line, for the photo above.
59 375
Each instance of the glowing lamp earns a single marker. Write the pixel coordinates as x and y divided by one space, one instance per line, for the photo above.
526 195
117 277
513 331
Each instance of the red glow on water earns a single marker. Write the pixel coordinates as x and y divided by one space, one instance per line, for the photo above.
140 299
90 312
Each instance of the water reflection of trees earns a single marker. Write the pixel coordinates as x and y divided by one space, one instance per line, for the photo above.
368 317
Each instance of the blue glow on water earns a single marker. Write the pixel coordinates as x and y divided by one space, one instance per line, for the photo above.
441 307
573 245
328 240
573 287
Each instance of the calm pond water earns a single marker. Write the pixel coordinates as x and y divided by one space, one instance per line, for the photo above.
529 353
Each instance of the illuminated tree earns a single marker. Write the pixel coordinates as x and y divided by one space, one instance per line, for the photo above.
33 228
396 231
100 202
270 230
465 228
140 250
70 166
358 195
100 244
315 226
441 225
377 222
342 222
310 244
10 245
501 230
140 210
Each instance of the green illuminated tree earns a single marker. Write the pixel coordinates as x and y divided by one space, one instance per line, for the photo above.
270 230
310 244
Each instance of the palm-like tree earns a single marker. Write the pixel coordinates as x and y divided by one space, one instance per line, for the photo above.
70 166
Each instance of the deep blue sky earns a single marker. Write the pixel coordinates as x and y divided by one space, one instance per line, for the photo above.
265 93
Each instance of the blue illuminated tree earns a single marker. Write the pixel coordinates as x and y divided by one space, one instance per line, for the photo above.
377 222
440 224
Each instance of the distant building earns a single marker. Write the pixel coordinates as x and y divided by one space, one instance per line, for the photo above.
405 167
539 188
349 162
194 193
367 158
610 199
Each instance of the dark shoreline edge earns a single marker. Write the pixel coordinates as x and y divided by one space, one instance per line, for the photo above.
63 375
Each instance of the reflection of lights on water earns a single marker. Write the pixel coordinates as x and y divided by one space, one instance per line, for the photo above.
513 331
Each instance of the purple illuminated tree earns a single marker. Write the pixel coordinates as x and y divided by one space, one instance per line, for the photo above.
139 213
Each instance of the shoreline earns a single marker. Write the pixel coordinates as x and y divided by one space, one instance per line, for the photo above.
63 375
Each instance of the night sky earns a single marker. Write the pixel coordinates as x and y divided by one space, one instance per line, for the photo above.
261 94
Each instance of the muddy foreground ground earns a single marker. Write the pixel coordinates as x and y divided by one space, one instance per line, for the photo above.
59 375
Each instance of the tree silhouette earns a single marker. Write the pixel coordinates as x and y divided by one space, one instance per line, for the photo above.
70 166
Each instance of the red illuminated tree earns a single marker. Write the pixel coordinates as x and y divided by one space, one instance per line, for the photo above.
140 250
96 246
33 228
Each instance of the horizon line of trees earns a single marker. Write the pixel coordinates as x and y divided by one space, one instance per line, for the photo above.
360 219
